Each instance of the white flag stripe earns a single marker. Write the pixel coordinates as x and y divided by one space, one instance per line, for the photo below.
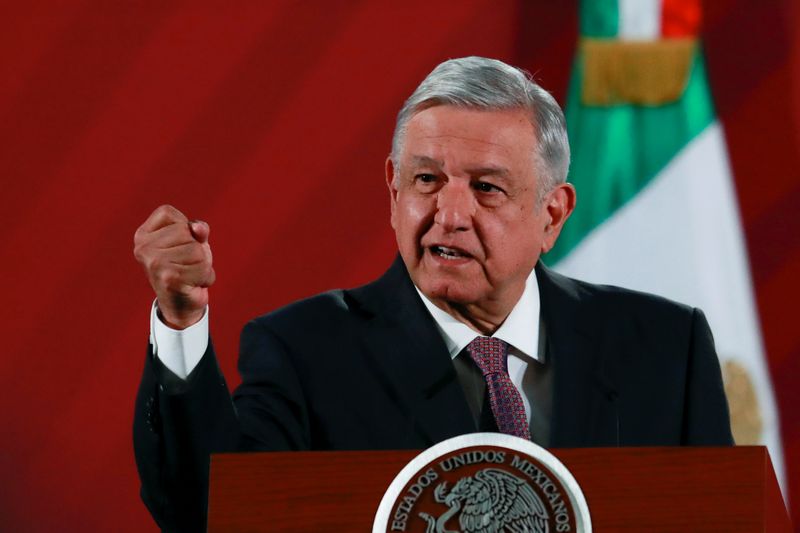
681 238
639 19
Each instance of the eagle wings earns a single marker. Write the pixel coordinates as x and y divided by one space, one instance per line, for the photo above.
491 501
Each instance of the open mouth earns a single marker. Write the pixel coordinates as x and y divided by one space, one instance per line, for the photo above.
449 253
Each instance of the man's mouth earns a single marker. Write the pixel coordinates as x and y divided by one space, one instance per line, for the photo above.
449 253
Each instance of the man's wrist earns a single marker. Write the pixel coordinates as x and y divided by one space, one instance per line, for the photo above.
179 322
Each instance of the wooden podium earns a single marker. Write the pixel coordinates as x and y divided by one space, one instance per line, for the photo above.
627 489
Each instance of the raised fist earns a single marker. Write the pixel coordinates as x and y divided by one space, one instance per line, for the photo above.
176 257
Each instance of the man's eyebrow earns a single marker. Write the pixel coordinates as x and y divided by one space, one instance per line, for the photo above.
500 172
423 160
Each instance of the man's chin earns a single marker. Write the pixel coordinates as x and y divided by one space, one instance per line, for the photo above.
457 286
449 292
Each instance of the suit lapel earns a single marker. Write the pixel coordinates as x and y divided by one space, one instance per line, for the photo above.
412 360
411 357
585 411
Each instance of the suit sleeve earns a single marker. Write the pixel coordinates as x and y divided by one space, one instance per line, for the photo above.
706 420
178 424
270 401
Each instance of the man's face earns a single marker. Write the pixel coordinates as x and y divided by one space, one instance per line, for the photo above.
464 206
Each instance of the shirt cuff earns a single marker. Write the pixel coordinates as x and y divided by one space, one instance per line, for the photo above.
178 350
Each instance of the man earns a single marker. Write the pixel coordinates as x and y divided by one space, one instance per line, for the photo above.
466 331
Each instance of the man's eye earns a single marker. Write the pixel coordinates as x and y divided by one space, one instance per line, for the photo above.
425 178
483 186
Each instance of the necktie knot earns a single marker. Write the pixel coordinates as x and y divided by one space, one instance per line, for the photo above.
490 354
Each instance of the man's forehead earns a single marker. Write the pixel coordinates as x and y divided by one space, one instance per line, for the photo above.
470 127
480 115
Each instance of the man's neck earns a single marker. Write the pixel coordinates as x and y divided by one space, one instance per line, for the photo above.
476 319
519 327
483 317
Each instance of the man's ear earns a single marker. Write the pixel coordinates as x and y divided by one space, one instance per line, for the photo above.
559 204
391 183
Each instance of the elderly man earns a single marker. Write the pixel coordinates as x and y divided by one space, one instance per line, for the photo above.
466 331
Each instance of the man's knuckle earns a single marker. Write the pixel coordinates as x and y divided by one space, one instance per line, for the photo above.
174 214
178 232
199 256
153 262
168 276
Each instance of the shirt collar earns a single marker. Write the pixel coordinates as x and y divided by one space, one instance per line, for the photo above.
520 329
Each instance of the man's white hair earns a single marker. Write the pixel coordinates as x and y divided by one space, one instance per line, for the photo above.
483 83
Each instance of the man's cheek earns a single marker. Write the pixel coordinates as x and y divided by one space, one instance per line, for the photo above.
420 213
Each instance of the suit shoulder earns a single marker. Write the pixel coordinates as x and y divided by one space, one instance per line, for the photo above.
328 309
620 300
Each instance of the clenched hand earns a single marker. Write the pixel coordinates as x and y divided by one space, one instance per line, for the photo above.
176 257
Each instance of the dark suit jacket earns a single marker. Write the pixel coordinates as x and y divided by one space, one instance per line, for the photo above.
367 369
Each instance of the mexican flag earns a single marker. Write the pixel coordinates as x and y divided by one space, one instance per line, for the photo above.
657 208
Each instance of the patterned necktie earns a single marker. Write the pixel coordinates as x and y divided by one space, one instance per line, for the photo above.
491 356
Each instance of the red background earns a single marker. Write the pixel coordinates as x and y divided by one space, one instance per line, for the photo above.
272 121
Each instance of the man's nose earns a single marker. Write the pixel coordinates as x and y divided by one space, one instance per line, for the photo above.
455 207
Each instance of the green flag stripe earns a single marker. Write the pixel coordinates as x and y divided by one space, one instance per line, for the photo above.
617 150
599 18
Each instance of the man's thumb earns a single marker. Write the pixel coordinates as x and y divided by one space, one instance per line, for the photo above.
200 230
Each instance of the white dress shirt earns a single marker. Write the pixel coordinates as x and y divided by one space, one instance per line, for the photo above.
179 349
520 330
